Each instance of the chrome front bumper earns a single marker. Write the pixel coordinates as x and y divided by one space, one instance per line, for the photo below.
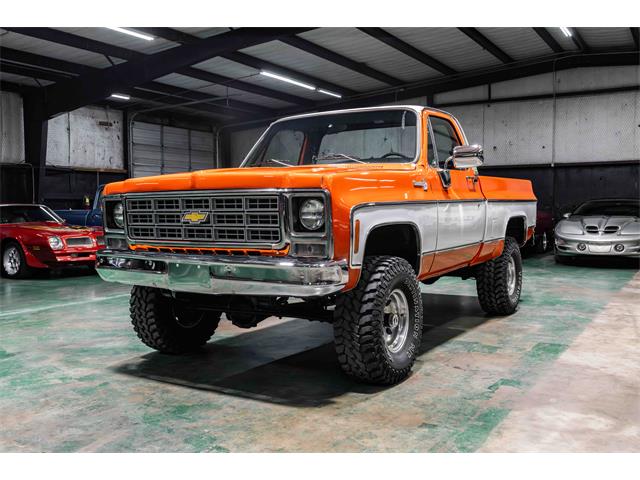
224 275
592 245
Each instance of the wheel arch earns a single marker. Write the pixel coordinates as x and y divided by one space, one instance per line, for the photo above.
517 228
376 241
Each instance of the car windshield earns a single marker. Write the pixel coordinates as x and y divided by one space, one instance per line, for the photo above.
373 136
27 213
626 208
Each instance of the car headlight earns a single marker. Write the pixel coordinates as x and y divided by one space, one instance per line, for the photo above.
118 214
55 243
311 214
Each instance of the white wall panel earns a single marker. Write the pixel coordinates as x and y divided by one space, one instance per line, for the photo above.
517 133
90 137
598 128
471 118
11 128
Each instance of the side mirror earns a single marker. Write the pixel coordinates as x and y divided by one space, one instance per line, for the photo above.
467 156
566 215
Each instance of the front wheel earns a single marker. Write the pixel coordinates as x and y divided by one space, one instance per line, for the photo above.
378 325
165 325
499 281
14 264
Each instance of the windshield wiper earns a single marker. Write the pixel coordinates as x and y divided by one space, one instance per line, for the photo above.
280 162
333 156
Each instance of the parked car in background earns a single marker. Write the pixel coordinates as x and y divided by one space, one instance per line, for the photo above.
88 217
542 239
600 227
34 237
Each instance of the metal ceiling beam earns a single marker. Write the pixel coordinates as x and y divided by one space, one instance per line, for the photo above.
635 33
55 64
249 61
141 68
475 35
578 40
326 54
409 50
480 77
215 78
31 72
546 36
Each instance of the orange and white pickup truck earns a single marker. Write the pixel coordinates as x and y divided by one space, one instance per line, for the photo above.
333 216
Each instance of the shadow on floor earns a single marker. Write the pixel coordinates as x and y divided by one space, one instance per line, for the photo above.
291 363
625 263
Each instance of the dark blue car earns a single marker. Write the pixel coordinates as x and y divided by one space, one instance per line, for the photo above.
85 218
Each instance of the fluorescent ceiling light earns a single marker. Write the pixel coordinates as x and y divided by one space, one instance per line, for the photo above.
120 96
566 31
287 79
327 92
148 38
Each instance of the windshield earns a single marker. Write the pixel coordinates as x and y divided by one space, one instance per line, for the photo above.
374 136
27 213
625 208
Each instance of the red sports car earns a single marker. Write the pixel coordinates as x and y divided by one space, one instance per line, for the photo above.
33 236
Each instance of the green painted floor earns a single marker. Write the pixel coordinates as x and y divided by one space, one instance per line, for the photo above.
74 377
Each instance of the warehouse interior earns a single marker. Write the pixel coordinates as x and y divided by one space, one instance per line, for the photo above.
83 107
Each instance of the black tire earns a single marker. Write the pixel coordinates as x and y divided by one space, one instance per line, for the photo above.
360 323
542 243
492 281
23 270
163 325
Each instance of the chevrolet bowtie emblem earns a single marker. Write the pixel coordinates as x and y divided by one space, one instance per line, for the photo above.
195 217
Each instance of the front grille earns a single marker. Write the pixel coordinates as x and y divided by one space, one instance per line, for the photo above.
611 229
79 242
591 229
223 219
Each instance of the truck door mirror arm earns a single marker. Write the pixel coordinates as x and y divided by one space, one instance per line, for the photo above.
463 157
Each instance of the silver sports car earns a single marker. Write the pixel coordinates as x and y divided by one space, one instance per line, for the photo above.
600 227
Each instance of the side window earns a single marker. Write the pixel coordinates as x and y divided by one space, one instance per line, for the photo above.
444 137
285 146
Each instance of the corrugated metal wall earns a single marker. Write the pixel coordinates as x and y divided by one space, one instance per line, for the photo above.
90 137
159 149
11 128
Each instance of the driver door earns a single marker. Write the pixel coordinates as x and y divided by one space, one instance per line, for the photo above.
462 207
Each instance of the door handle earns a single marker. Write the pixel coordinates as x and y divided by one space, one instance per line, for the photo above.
421 184
473 178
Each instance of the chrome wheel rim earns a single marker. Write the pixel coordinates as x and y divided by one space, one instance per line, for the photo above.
11 260
396 321
545 242
511 276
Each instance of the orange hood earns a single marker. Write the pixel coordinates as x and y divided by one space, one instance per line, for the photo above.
246 178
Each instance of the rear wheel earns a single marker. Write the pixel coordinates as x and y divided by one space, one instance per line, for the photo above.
378 325
14 264
166 325
499 281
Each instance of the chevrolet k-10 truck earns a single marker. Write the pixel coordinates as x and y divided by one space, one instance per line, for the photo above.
333 216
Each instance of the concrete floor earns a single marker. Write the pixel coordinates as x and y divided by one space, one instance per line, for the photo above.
562 374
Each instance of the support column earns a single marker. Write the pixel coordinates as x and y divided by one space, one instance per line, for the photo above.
35 140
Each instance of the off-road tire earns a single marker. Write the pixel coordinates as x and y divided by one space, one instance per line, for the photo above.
156 318
24 271
492 285
359 322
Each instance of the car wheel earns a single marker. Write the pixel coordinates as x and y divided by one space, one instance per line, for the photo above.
164 325
542 243
378 324
14 263
499 281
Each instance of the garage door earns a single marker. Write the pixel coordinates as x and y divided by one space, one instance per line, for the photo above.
159 149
